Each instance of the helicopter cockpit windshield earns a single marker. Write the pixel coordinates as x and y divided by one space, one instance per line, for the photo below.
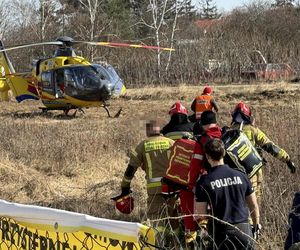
84 77
83 82
109 73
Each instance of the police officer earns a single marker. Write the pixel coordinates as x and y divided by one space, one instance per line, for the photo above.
203 102
179 126
152 155
229 194
242 115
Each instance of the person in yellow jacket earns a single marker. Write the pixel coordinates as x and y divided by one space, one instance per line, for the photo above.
152 155
242 115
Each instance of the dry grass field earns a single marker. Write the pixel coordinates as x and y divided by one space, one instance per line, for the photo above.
77 163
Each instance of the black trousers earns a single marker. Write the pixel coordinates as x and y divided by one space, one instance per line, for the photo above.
229 238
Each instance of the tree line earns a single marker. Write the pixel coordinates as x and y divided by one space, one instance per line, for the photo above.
209 45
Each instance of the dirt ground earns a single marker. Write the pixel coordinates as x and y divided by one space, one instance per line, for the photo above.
77 163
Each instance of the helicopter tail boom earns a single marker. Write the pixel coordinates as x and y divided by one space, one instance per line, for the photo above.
5 62
5 68
22 85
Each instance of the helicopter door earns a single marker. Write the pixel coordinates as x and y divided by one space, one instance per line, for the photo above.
47 83
59 83
70 83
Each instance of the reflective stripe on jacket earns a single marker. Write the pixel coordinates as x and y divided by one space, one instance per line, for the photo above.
259 139
179 166
152 155
203 103
176 135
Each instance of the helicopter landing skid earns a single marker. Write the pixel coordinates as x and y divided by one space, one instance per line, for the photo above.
65 110
108 112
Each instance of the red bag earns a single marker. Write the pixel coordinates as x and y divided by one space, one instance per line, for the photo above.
179 164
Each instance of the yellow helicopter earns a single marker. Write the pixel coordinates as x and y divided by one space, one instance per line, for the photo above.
65 81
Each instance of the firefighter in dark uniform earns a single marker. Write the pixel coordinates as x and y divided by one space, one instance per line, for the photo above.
152 155
229 194
242 116
179 126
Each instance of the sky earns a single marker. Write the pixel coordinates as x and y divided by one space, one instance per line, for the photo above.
226 5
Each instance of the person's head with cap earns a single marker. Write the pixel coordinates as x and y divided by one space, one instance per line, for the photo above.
207 119
152 128
242 114
207 90
178 108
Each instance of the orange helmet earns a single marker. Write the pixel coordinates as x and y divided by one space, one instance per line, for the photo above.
178 108
207 90
125 204
243 108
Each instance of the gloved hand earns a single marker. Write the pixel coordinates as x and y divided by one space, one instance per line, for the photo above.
291 166
203 234
256 231
203 224
124 192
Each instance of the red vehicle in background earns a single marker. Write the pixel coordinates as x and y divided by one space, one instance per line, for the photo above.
268 71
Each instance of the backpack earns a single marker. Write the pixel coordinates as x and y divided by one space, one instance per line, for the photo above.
179 164
240 153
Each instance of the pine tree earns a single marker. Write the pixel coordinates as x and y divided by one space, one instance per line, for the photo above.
208 10
118 11
187 9
284 3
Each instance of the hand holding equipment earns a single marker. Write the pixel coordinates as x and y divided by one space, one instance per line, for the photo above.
256 231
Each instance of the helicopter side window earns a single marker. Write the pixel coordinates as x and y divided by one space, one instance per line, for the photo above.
59 80
47 85
70 83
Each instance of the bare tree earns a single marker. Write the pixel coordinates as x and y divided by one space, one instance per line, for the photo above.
4 18
24 14
47 10
93 8
163 13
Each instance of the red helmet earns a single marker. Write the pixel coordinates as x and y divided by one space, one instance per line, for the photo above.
178 108
125 204
207 90
244 108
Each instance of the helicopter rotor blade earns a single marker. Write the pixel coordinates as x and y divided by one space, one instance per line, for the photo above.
32 45
109 44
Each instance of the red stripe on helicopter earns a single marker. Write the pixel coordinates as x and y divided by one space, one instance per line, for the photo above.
32 89
134 46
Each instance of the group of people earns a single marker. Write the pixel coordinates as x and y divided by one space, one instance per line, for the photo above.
187 159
